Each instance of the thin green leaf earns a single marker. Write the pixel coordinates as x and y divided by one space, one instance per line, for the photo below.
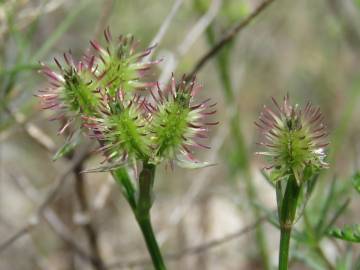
106 168
267 177
357 2
337 214
309 258
356 263
356 181
183 163
68 147
345 262
60 30
279 195
348 233
326 207
122 178
306 191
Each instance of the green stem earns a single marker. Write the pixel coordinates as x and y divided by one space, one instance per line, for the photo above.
141 201
142 214
287 216
284 248
151 243
122 178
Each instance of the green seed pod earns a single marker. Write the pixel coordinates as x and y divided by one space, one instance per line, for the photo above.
177 124
72 92
121 128
294 139
120 66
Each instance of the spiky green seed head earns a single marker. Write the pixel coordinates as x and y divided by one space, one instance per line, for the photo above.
72 92
121 128
177 125
120 66
294 139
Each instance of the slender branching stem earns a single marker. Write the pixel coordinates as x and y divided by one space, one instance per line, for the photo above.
287 217
284 248
151 243
122 178
142 214
141 202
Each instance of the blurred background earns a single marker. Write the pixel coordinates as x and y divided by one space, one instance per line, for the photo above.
309 49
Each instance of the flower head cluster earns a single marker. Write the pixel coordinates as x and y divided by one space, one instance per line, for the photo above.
177 123
99 94
121 126
294 139
120 66
164 129
72 91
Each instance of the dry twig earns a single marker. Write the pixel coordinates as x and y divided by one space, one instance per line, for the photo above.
193 35
229 36
88 226
52 219
190 251
164 27
33 131
51 196
16 236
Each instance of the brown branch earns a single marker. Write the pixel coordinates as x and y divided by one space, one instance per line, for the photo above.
34 132
16 236
190 251
229 36
163 28
56 226
88 227
59 228
74 167
54 222
59 182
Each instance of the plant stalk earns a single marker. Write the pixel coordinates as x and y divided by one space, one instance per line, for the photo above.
151 243
287 217
284 248
141 201
142 214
